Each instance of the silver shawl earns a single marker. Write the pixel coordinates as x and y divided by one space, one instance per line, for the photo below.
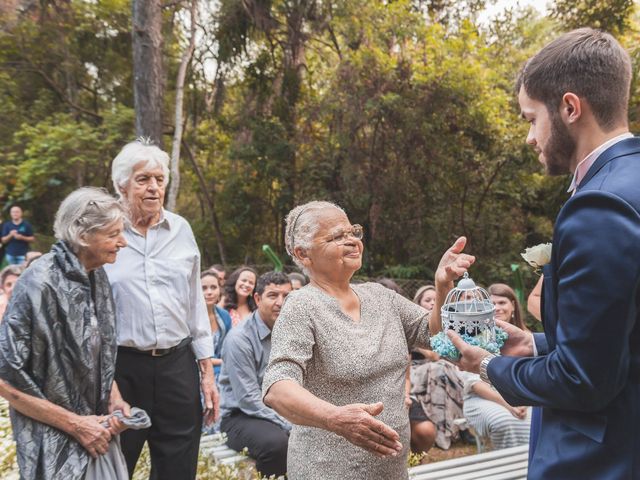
45 351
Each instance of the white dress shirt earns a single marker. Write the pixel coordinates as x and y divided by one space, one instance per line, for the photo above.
157 291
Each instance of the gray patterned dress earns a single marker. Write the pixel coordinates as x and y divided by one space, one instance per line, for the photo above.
341 361
49 349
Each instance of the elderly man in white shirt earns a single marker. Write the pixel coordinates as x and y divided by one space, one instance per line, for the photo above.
163 327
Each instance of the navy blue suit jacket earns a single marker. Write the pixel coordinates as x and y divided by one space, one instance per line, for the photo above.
587 375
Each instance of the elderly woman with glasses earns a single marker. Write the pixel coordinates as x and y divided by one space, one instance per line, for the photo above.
339 353
58 344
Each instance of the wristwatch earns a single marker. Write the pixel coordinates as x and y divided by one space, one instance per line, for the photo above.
483 368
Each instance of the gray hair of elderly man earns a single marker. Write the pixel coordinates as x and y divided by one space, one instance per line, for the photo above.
140 150
302 226
83 212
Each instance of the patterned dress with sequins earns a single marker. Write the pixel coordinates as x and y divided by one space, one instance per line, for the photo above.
343 362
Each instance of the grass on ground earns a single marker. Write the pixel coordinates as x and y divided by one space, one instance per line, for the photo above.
457 449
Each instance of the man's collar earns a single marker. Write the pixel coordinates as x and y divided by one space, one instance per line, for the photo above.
164 221
584 166
263 330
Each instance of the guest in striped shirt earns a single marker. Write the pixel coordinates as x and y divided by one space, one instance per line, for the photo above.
484 407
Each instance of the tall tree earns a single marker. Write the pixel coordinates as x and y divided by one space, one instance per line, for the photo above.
148 74
174 186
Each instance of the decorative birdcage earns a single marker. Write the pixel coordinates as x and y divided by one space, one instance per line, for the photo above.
468 310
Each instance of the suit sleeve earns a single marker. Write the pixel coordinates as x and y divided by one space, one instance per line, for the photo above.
541 343
596 254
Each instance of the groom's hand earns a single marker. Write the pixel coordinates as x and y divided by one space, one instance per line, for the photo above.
470 355
519 343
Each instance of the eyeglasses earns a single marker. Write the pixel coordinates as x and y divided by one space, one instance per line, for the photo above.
342 237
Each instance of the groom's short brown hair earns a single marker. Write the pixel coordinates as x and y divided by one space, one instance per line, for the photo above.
587 62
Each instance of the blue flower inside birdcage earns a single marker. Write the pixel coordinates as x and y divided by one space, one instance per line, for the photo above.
468 311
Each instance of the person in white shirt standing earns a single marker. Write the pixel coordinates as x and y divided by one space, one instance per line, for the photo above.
163 327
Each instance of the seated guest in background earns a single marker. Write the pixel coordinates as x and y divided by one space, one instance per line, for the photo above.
340 353
436 391
391 285
426 297
298 280
17 234
246 420
8 278
58 344
492 416
507 305
484 407
238 293
218 317
31 257
219 270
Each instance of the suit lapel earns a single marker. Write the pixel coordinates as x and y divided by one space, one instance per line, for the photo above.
624 147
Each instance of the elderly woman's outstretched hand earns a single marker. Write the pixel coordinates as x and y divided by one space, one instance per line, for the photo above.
453 264
357 424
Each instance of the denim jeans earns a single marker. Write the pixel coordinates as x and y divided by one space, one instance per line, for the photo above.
14 259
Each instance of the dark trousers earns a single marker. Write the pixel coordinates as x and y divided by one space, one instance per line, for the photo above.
267 442
168 389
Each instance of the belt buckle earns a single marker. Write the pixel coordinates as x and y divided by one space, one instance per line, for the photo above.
155 352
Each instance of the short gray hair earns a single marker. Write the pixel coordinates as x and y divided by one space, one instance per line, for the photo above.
302 225
83 212
141 150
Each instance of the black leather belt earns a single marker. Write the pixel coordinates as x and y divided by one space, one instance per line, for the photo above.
158 352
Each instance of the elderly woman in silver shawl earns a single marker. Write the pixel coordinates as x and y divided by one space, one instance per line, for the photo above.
58 344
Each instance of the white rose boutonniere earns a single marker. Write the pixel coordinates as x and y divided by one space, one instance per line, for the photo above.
538 256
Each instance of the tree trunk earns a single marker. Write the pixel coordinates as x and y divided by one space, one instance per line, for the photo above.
174 186
147 68
210 204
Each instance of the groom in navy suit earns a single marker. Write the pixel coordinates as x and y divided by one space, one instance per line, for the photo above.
584 371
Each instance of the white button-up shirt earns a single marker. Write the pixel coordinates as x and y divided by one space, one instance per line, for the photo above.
157 291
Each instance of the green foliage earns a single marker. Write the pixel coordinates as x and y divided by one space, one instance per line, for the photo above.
407 271
65 79
8 457
50 158
415 459
403 112
613 16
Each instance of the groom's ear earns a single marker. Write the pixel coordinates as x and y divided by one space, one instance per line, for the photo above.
571 109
